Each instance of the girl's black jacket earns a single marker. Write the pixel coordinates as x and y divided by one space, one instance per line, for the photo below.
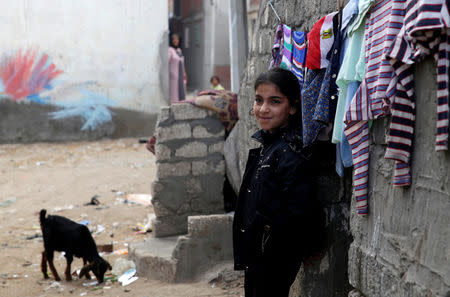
277 215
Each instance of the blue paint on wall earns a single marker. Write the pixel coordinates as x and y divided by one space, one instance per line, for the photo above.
91 107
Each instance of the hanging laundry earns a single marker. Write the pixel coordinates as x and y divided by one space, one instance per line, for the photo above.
320 42
319 93
277 48
343 150
425 32
371 100
286 60
299 55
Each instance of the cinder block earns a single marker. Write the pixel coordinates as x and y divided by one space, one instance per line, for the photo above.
173 169
193 185
203 167
202 132
162 152
178 131
164 114
216 147
161 210
169 226
192 150
187 111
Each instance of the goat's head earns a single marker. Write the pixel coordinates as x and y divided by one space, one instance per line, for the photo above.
98 267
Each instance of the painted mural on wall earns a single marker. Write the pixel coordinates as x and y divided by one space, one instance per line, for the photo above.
31 75
26 74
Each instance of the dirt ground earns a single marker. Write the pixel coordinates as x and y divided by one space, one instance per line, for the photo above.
62 178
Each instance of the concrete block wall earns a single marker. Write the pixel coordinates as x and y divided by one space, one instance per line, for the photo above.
190 167
402 248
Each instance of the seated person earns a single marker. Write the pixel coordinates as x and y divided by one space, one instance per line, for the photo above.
215 83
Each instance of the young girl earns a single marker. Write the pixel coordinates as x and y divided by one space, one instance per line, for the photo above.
277 222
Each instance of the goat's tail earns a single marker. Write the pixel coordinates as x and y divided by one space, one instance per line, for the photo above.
42 216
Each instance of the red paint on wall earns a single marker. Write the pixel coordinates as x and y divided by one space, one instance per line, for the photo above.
27 74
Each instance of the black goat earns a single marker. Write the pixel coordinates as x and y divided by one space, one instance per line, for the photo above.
63 235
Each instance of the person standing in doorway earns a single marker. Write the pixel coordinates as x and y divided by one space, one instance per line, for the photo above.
278 221
177 72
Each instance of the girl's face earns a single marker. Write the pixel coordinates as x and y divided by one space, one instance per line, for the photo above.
214 81
175 40
271 107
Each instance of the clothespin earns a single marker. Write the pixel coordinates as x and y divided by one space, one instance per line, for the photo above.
340 4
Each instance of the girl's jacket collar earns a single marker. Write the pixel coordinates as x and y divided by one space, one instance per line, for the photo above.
292 137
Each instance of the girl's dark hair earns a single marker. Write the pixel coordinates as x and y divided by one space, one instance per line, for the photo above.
287 83
214 77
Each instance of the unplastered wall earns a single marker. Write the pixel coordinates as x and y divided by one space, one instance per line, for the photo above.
403 247
85 55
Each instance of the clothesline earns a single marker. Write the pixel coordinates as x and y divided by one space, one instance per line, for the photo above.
354 66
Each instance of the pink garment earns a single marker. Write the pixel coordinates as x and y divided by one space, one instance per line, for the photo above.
175 58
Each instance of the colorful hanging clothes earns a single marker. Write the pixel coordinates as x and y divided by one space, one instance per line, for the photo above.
425 32
320 42
277 48
371 100
286 60
299 56
319 93
350 75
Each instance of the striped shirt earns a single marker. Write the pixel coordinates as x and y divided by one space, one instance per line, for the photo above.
286 60
371 100
299 55
425 32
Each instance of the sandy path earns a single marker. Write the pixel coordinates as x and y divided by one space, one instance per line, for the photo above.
62 178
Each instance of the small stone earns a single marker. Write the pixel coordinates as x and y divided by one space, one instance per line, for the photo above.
127 290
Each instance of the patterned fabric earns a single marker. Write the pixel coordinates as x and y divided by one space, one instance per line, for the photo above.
224 103
320 42
311 110
370 101
319 94
277 48
299 56
286 60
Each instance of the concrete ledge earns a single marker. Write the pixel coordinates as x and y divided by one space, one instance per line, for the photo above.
184 258
153 258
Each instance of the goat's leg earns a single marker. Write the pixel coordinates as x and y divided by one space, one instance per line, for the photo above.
44 265
49 257
69 259
85 262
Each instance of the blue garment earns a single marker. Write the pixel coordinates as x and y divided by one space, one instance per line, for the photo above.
343 149
349 13
319 93
299 55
